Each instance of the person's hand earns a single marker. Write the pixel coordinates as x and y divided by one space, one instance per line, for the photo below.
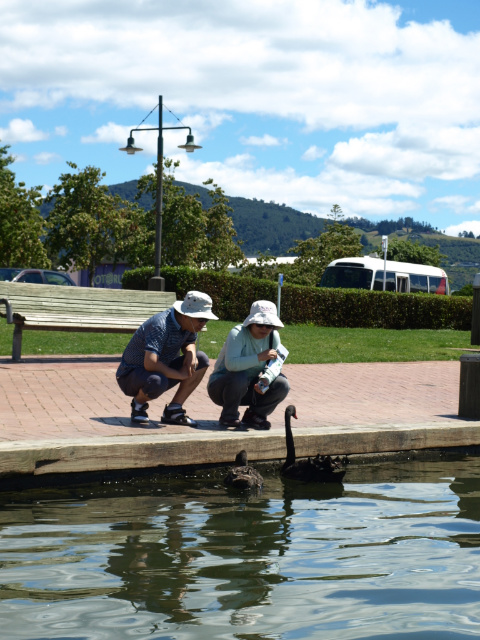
265 384
179 374
268 354
189 364
188 369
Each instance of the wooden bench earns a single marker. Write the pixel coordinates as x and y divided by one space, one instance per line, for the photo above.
39 307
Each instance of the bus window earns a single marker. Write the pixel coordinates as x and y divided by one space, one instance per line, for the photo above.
346 278
418 284
438 285
390 284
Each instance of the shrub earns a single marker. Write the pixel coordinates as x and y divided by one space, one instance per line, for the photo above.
232 297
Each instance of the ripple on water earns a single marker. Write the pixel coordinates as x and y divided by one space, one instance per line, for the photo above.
384 560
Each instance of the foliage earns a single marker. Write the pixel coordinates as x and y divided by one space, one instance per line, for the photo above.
88 224
183 220
466 290
266 267
314 255
219 249
280 225
21 225
408 251
232 297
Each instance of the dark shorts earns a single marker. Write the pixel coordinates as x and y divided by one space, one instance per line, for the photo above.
154 384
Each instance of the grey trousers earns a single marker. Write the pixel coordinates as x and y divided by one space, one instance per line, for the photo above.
233 389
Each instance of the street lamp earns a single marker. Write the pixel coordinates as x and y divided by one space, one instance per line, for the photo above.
157 283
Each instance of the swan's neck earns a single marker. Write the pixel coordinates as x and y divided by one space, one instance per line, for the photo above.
289 441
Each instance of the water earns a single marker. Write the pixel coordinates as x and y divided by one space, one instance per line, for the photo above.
394 553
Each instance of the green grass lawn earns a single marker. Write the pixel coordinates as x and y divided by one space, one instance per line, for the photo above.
307 344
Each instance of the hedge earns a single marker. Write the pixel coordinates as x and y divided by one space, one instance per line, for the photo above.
232 296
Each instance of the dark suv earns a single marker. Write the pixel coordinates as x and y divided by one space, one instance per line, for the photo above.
36 276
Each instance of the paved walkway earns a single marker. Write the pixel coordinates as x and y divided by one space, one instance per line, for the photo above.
59 400
79 397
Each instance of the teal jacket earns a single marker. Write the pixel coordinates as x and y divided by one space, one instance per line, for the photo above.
240 353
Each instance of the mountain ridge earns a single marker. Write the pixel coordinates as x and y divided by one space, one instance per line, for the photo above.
281 225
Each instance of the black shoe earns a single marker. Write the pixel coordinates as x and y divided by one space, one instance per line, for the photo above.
139 416
254 420
229 422
177 416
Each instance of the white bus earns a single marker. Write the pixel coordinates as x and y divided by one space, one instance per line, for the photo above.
368 273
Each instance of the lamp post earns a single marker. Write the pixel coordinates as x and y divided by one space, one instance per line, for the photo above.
157 283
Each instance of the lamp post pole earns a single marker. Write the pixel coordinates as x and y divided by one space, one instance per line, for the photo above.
157 283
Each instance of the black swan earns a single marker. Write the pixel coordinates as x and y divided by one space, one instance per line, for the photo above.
320 469
242 475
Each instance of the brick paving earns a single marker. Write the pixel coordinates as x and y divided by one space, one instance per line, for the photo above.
63 398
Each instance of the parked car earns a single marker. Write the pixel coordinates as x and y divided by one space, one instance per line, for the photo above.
8 273
36 276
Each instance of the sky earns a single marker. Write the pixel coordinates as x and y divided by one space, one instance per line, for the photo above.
371 105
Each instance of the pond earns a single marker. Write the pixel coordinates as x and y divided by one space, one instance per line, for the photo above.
393 553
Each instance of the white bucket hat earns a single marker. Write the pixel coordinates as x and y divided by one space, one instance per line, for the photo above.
196 305
263 312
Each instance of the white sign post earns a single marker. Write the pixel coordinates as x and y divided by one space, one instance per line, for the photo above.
385 248
280 285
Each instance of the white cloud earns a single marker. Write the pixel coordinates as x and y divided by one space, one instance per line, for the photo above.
410 94
313 153
46 157
27 98
413 153
467 225
19 130
460 205
110 132
19 157
456 203
263 141
355 193
287 59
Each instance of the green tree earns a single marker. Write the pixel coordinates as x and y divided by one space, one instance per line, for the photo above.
21 225
314 254
87 224
219 248
466 290
266 267
408 251
183 220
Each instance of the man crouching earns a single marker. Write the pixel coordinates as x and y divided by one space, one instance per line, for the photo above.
151 363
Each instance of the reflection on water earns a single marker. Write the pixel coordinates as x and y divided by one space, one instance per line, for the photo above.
393 553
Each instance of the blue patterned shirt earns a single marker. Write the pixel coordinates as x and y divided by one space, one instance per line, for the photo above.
160 334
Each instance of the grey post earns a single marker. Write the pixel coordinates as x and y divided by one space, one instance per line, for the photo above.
469 396
475 335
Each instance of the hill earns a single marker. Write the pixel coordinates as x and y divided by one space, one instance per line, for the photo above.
262 226
268 226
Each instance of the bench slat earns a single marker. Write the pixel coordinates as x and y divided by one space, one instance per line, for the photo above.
56 308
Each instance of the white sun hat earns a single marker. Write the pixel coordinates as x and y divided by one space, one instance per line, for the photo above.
263 312
196 305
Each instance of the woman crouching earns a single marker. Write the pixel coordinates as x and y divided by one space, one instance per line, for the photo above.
242 376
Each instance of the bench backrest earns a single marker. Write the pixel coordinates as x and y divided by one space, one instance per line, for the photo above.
83 301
